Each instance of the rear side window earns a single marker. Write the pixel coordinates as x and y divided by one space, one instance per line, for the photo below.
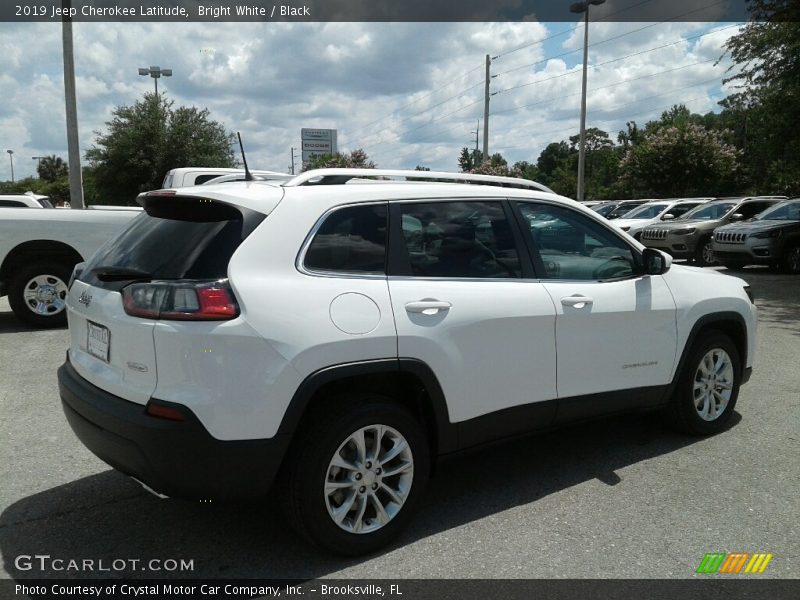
177 242
12 203
459 239
350 240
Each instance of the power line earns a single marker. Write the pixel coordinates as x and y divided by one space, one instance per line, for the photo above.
615 84
571 29
601 87
616 37
460 94
420 99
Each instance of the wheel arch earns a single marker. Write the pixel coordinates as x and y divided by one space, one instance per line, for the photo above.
38 250
411 382
730 323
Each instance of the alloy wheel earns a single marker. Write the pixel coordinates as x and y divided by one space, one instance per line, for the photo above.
713 384
369 479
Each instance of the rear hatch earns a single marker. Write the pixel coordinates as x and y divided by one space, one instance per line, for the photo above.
170 262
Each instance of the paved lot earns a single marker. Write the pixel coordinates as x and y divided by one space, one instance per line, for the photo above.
620 498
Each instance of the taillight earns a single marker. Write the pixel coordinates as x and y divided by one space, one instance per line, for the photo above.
181 300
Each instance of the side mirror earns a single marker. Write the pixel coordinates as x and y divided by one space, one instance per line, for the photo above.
737 217
655 261
668 217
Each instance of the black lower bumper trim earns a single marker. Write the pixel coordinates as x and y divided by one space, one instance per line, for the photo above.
177 459
746 374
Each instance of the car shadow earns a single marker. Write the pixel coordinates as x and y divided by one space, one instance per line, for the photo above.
9 323
108 516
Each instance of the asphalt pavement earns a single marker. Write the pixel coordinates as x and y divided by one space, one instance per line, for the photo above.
620 498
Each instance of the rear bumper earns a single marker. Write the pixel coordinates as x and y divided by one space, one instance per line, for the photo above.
175 458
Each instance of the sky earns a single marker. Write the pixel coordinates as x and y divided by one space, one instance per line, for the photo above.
407 93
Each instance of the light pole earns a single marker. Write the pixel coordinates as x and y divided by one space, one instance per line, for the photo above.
583 7
11 158
38 160
156 72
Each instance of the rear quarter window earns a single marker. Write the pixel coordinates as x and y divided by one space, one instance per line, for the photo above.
350 240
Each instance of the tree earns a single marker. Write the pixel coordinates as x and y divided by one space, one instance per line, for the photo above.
679 162
469 159
357 159
766 107
52 168
146 140
421 168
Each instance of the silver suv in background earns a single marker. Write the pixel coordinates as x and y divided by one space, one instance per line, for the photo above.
690 236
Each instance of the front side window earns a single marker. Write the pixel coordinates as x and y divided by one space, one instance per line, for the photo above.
680 209
350 240
572 246
459 239
751 209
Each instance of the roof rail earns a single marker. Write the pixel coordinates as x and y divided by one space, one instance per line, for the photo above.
342 176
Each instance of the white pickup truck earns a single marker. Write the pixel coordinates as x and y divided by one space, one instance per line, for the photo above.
38 250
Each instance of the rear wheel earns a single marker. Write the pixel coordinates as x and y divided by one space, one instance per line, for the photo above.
791 260
37 293
356 474
708 387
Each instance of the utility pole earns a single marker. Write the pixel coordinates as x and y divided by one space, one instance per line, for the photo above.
583 7
11 158
486 109
73 147
292 153
477 133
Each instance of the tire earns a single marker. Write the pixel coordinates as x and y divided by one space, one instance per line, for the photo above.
704 254
37 293
791 259
690 408
311 506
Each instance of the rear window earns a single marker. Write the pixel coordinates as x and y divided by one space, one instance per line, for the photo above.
178 242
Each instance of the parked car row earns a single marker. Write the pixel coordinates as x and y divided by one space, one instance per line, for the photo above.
735 231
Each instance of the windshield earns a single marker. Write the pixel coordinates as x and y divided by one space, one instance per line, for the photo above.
786 211
709 212
647 211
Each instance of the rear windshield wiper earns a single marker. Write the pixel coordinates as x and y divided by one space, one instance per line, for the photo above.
109 273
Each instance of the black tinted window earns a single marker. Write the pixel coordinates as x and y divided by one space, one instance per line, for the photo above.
751 209
166 247
351 240
459 239
12 203
573 246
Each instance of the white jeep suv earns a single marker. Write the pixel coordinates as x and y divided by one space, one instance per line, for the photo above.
337 338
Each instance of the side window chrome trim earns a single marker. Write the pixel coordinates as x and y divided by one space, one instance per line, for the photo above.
301 255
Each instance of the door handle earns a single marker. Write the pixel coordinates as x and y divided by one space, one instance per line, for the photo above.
427 307
577 301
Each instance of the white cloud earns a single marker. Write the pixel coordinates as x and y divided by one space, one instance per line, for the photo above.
408 93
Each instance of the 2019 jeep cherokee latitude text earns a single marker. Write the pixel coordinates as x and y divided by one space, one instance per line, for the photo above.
338 338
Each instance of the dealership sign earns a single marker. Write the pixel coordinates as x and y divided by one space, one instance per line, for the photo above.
317 141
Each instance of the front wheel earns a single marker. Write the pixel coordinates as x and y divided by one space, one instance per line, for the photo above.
791 260
708 386
356 474
37 293
704 255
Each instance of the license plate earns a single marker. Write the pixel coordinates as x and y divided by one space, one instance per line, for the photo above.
98 339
